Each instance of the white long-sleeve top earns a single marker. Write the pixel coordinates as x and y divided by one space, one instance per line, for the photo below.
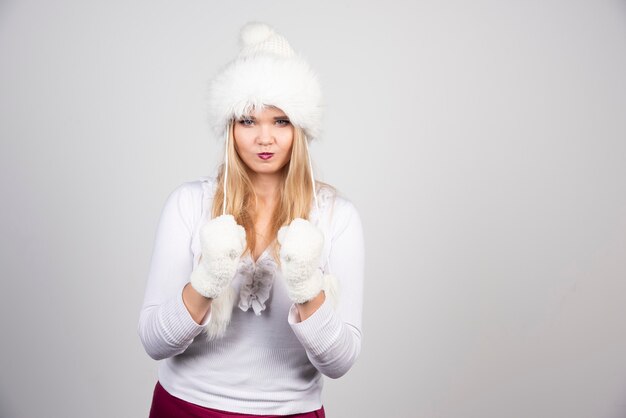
271 363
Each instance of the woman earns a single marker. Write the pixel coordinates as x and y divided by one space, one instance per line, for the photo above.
256 279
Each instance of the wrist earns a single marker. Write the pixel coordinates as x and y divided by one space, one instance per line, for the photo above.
309 307
197 305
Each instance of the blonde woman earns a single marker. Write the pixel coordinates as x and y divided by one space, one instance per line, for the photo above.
256 280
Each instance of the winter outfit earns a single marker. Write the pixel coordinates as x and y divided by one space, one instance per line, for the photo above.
267 72
264 364
252 354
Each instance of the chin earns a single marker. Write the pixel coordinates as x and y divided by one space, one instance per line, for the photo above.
269 170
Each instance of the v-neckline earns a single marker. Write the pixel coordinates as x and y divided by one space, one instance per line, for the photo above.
262 255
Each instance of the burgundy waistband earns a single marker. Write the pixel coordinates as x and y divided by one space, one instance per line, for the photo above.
164 405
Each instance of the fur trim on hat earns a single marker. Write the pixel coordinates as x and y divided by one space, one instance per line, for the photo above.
266 73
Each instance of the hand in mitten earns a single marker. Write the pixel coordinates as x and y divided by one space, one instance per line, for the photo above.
223 241
301 245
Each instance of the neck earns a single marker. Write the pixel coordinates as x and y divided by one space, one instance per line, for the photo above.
266 187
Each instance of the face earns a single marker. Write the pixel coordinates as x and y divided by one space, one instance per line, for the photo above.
264 139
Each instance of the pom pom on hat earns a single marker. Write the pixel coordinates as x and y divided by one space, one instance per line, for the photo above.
260 38
267 72
254 33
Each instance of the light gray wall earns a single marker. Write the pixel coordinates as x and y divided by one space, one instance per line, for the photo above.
483 143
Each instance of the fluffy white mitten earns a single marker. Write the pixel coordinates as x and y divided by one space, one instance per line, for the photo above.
223 242
301 245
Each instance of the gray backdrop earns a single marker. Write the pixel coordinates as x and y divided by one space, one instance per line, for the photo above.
483 143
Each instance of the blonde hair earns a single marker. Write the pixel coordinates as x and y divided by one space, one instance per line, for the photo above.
294 200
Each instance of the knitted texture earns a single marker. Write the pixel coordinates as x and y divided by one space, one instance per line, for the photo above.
259 38
301 245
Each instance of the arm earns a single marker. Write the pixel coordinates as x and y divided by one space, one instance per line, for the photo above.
308 308
197 305
332 338
166 326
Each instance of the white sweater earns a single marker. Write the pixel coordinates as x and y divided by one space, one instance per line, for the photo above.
271 363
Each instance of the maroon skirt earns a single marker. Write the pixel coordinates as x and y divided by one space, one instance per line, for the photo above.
164 405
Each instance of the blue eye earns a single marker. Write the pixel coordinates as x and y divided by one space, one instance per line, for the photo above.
246 122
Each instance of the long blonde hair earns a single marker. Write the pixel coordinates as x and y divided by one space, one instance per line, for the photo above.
296 191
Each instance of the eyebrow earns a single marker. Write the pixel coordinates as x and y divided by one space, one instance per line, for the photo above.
275 117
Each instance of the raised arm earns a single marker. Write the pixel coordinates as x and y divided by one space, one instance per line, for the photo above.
166 327
332 338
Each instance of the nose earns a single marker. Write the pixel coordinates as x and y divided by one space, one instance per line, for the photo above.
266 135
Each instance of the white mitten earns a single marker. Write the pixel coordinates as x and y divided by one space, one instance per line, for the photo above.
301 245
223 242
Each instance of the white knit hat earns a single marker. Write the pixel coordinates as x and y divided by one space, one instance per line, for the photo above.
267 72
